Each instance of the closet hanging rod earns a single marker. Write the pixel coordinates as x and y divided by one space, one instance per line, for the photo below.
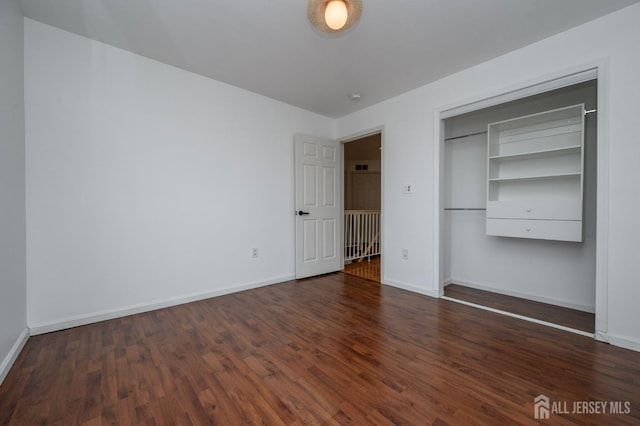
587 112
465 136
466 208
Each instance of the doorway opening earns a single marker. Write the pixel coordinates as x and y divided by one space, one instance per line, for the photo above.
362 206
545 278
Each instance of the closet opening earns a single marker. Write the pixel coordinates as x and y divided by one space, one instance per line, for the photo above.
519 201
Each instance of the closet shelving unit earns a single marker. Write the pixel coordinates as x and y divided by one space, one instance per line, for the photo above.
536 174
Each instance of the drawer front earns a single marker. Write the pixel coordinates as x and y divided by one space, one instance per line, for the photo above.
558 230
537 209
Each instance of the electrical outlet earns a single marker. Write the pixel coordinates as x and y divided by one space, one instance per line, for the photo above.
254 253
405 254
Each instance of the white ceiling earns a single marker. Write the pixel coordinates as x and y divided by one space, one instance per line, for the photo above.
268 46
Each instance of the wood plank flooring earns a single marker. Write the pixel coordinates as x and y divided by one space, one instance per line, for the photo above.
329 350
566 317
369 269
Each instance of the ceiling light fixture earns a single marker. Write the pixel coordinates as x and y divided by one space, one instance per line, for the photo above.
333 16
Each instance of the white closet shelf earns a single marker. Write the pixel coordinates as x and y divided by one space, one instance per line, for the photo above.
575 149
536 177
536 157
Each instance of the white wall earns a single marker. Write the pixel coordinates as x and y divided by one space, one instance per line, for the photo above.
409 122
13 318
147 184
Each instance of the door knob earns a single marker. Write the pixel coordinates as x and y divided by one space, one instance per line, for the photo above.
301 213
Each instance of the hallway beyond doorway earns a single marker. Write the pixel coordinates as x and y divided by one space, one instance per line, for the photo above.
369 269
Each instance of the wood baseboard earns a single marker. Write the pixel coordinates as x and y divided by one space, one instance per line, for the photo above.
94 317
11 357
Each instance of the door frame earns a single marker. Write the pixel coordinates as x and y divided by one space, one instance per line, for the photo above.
350 138
524 89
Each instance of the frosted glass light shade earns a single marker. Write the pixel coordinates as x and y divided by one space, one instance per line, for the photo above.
321 14
335 15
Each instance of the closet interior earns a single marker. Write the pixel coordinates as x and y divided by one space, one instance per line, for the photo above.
519 198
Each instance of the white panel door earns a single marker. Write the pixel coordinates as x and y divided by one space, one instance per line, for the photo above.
318 206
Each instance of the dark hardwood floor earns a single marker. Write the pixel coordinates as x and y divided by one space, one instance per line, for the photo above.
335 349
579 320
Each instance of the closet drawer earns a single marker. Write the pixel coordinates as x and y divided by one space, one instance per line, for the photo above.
535 209
559 230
